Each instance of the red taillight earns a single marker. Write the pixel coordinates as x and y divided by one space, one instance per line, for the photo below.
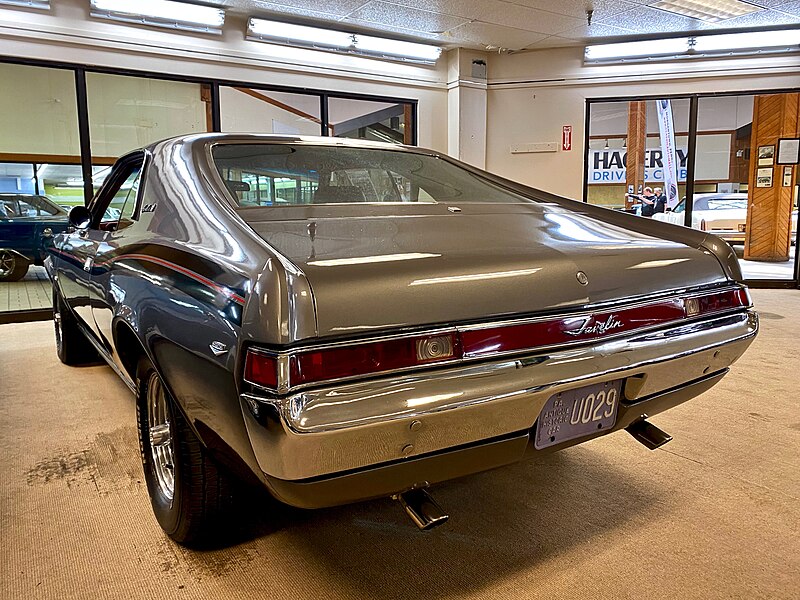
726 300
373 357
261 369
358 359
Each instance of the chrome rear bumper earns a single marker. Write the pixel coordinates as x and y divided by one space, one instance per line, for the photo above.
322 433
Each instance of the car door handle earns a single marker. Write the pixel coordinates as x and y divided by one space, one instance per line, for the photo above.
87 264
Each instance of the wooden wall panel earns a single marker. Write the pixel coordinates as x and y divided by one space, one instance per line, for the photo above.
769 208
637 141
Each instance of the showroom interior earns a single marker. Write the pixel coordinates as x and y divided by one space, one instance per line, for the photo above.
568 97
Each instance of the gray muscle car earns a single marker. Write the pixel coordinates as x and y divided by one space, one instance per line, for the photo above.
339 320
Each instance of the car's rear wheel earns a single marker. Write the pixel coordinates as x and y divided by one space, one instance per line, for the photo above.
12 266
188 492
71 344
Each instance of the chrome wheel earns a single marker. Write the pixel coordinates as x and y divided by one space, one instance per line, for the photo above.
162 451
8 263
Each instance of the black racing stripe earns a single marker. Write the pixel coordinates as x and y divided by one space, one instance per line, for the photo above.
181 258
190 286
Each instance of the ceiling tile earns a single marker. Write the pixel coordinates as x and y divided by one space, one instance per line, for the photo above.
596 30
530 19
298 7
578 8
268 9
480 35
760 19
775 4
467 9
650 20
401 17
554 41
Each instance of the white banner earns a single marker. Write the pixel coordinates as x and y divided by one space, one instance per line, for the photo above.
608 165
667 132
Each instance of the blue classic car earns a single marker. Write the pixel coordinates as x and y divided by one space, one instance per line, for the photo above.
27 226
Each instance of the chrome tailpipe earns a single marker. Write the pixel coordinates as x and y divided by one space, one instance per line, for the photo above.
648 434
422 509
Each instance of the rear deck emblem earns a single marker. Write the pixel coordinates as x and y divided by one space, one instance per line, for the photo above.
218 348
582 278
593 326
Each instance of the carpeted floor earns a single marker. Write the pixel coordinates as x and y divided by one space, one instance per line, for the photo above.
715 514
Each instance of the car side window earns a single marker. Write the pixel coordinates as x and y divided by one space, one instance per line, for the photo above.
128 207
115 207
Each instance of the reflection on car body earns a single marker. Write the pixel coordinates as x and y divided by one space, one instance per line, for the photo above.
341 320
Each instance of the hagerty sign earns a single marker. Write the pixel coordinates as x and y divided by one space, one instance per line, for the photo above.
608 165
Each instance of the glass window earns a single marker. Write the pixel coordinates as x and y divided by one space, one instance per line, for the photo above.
38 127
48 125
285 174
371 120
123 205
736 170
126 113
627 162
245 110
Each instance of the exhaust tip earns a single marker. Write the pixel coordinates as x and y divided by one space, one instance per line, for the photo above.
648 434
422 509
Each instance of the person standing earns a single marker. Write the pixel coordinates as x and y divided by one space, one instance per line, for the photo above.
647 200
659 201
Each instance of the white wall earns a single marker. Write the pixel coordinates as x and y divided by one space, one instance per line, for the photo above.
532 95
68 34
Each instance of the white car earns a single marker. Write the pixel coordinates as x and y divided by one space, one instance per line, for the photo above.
724 215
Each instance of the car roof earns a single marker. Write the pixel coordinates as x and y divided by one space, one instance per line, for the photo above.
316 140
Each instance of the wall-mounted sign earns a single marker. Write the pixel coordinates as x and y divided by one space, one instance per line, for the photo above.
764 177
609 165
787 176
566 137
766 156
788 151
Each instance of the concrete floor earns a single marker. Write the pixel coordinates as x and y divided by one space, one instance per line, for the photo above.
714 514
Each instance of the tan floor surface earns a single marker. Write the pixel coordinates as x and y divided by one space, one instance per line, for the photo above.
32 292
715 514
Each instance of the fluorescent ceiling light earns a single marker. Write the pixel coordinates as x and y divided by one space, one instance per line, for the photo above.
389 47
637 49
757 40
300 34
41 4
710 11
162 13
740 44
341 41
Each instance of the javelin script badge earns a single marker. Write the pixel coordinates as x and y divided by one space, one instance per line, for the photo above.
597 327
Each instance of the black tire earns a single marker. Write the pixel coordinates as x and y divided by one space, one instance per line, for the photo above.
192 510
71 344
12 267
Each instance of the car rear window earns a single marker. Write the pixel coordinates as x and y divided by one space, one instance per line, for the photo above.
264 174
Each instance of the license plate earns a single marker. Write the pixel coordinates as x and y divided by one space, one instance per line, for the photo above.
575 413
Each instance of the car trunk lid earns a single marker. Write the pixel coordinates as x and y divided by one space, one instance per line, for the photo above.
375 268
